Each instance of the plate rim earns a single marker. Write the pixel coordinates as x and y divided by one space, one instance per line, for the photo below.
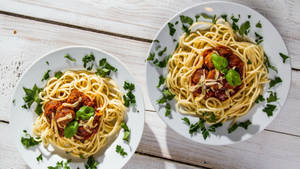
195 6
137 88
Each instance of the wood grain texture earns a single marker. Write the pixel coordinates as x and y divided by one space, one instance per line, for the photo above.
10 157
33 39
143 18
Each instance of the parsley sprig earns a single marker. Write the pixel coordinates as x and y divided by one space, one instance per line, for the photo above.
129 98
284 57
269 109
126 131
105 68
91 163
88 61
61 165
67 56
31 96
121 151
244 125
28 141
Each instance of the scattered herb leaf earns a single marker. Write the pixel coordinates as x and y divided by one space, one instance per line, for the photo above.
58 74
126 131
244 125
120 150
91 163
275 81
67 56
284 57
259 98
39 158
272 97
88 60
269 109
29 141
258 25
162 80
172 30
46 75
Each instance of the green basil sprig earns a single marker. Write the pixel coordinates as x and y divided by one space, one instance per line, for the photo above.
71 129
85 112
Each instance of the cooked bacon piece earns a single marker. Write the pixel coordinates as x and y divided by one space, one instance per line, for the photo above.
206 52
197 75
197 92
220 94
224 51
64 115
74 96
87 101
211 74
50 108
208 62
235 61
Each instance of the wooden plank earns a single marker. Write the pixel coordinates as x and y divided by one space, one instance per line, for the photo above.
33 39
10 157
144 18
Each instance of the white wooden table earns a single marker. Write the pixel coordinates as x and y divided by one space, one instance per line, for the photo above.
125 28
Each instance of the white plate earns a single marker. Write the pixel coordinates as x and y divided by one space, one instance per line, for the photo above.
22 119
273 44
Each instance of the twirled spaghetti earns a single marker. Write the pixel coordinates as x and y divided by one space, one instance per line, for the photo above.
202 90
64 96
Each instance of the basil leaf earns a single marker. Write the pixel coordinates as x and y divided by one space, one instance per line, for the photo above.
219 62
85 112
233 78
71 129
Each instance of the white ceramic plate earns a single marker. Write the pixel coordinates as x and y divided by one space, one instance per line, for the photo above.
22 119
273 44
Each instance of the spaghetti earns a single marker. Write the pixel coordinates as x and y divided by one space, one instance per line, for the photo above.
64 96
200 88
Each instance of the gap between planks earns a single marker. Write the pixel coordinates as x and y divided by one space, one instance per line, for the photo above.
75 26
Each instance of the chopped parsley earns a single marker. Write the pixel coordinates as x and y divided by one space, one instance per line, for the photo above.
47 62
129 98
91 163
167 95
186 19
156 41
13 101
162 63
120 150
234 19
284 57
61 164
162 80
67 56
199 125
249 16
58 74
88 60
224 16
81 156
168 109
269 109
249 62
213 127
160 53
172 30
151 56
31 96
46 75
244 29
28 140
126 132
268 64
260 98
259 39
176 22
244 125
39 158
258 25
275 81
105 68
186 120
272 97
